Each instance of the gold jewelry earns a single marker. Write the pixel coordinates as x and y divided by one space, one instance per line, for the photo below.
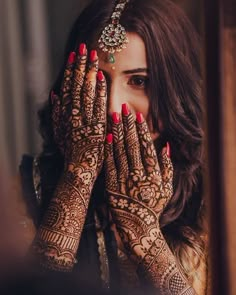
113 38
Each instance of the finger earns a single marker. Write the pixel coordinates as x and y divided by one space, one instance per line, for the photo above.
101 98
67 83
110 168
78 80
56 115
131 140
89 87
167 171
148 152
119 151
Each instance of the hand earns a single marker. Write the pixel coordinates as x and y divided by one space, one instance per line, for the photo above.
79 115
138 183
79 119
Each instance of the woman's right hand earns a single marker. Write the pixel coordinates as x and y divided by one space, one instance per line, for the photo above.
79 115
79 121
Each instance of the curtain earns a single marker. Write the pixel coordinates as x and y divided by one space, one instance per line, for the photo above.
32 37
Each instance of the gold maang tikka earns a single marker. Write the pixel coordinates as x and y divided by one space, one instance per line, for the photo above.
114 38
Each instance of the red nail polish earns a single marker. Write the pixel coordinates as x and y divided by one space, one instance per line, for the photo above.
168 149
82 49
93 55
109 138
139 117
100 76
71 58
125 109
116 118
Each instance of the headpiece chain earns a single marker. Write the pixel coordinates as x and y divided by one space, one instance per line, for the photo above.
113 38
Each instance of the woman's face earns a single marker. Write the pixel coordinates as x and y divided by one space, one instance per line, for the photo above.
127 78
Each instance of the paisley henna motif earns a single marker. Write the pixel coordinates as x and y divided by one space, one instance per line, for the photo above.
80 134
138 202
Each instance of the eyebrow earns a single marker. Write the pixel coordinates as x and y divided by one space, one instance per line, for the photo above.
133 71
127 72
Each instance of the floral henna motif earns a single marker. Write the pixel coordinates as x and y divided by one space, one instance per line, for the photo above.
137 205
81 136
57 239
159 267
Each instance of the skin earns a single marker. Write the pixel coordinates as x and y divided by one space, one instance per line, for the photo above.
128 81
79 120
139 183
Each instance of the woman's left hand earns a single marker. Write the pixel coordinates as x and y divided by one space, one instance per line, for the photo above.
138 182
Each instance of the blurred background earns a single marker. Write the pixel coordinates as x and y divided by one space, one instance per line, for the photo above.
32 38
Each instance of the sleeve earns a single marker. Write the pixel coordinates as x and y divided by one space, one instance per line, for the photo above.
24 225
30 186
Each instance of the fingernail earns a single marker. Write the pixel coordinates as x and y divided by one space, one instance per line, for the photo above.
125 109
116 118
139 117
100 76
109 138
93 55
168 149
82 49
71 58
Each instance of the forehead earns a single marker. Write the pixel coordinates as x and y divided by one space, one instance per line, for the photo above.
134 56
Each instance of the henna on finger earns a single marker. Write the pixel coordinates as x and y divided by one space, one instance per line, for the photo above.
78 81
167 171
67 84
148 152
56 119
89 87
119 152
100 103
110 168
131 141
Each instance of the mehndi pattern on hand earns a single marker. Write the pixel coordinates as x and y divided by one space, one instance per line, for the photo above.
139 185
80 134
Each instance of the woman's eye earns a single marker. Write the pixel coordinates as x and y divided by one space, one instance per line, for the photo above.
138 81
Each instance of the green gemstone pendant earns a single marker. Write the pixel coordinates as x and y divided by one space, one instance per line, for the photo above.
111 58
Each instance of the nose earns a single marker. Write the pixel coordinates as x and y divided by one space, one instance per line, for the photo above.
116 97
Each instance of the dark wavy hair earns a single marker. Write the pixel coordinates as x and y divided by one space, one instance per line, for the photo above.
172 48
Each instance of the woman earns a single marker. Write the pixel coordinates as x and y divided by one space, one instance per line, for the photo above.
118 190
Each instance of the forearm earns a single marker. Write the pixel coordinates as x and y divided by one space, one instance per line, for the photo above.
160 268
58 236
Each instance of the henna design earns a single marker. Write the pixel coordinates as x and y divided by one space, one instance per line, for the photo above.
100 102
81 136
120 155
77 85
137 206
57 239
159 267
132 142
56 118
89 90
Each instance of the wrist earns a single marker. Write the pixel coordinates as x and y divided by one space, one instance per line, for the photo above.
148 243
80 178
